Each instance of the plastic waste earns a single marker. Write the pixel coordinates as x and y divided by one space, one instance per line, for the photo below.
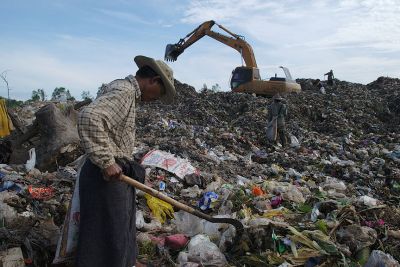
373 224
169 162
257 191
202 250
380 259
68 241
276 169
187 223
192 192
294 142
176 242
262 204
162 186
226 208
368 201
279 212
227 237
272 130
159 208
294 194
31 162
276 201
11 186
139 219
333 183
293 173
213 186
212 229
208 200
242 180
43 193
315 213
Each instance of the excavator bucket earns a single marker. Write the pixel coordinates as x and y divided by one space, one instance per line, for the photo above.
172 52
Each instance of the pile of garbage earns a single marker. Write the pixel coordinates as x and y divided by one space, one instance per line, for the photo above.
331 197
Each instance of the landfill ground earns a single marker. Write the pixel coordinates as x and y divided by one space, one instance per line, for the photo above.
330 198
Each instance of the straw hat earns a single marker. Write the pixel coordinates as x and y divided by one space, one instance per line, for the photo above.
165 72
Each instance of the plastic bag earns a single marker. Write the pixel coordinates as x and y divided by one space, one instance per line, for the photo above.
202 250
31 162
368 201
379 258
272 130
208 200
257 191
188 224
68 240
11 186
44 193
294 142
160 209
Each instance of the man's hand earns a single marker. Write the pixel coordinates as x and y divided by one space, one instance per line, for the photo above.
112 172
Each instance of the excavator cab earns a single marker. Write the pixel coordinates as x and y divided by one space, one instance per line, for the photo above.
241 75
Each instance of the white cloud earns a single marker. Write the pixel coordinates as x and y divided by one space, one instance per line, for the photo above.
72 62
126 16
312 37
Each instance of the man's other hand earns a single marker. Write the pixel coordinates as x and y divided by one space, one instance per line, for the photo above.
113 172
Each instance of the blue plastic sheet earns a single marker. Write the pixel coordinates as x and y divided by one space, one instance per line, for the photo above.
11 186
206 202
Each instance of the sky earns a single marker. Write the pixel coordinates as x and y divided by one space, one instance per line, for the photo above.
80 44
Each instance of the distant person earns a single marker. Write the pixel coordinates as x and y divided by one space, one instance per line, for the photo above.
278 110
330 77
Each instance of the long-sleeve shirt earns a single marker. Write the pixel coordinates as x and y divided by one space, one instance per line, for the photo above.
107 125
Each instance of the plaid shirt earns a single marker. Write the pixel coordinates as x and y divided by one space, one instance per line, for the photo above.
107 125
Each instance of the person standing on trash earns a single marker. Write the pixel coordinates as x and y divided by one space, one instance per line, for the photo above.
278 110
330 77
107 235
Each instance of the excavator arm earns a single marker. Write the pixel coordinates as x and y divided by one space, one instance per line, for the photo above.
235 41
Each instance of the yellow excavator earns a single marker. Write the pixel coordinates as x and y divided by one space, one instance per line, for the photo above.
245 79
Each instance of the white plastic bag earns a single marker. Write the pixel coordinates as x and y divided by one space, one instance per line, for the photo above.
68 240
31 162
379 258
202 250
187 223
294 142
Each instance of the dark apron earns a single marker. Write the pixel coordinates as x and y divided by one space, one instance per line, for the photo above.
107 234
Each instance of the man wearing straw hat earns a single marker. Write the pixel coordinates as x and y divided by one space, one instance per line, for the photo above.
107 235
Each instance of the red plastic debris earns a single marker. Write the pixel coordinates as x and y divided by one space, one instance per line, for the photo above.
177 241
43 193
257 191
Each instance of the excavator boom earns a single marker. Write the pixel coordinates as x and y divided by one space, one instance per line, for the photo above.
244 79
235 41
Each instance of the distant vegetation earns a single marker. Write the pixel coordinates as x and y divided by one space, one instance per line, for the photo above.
12 103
